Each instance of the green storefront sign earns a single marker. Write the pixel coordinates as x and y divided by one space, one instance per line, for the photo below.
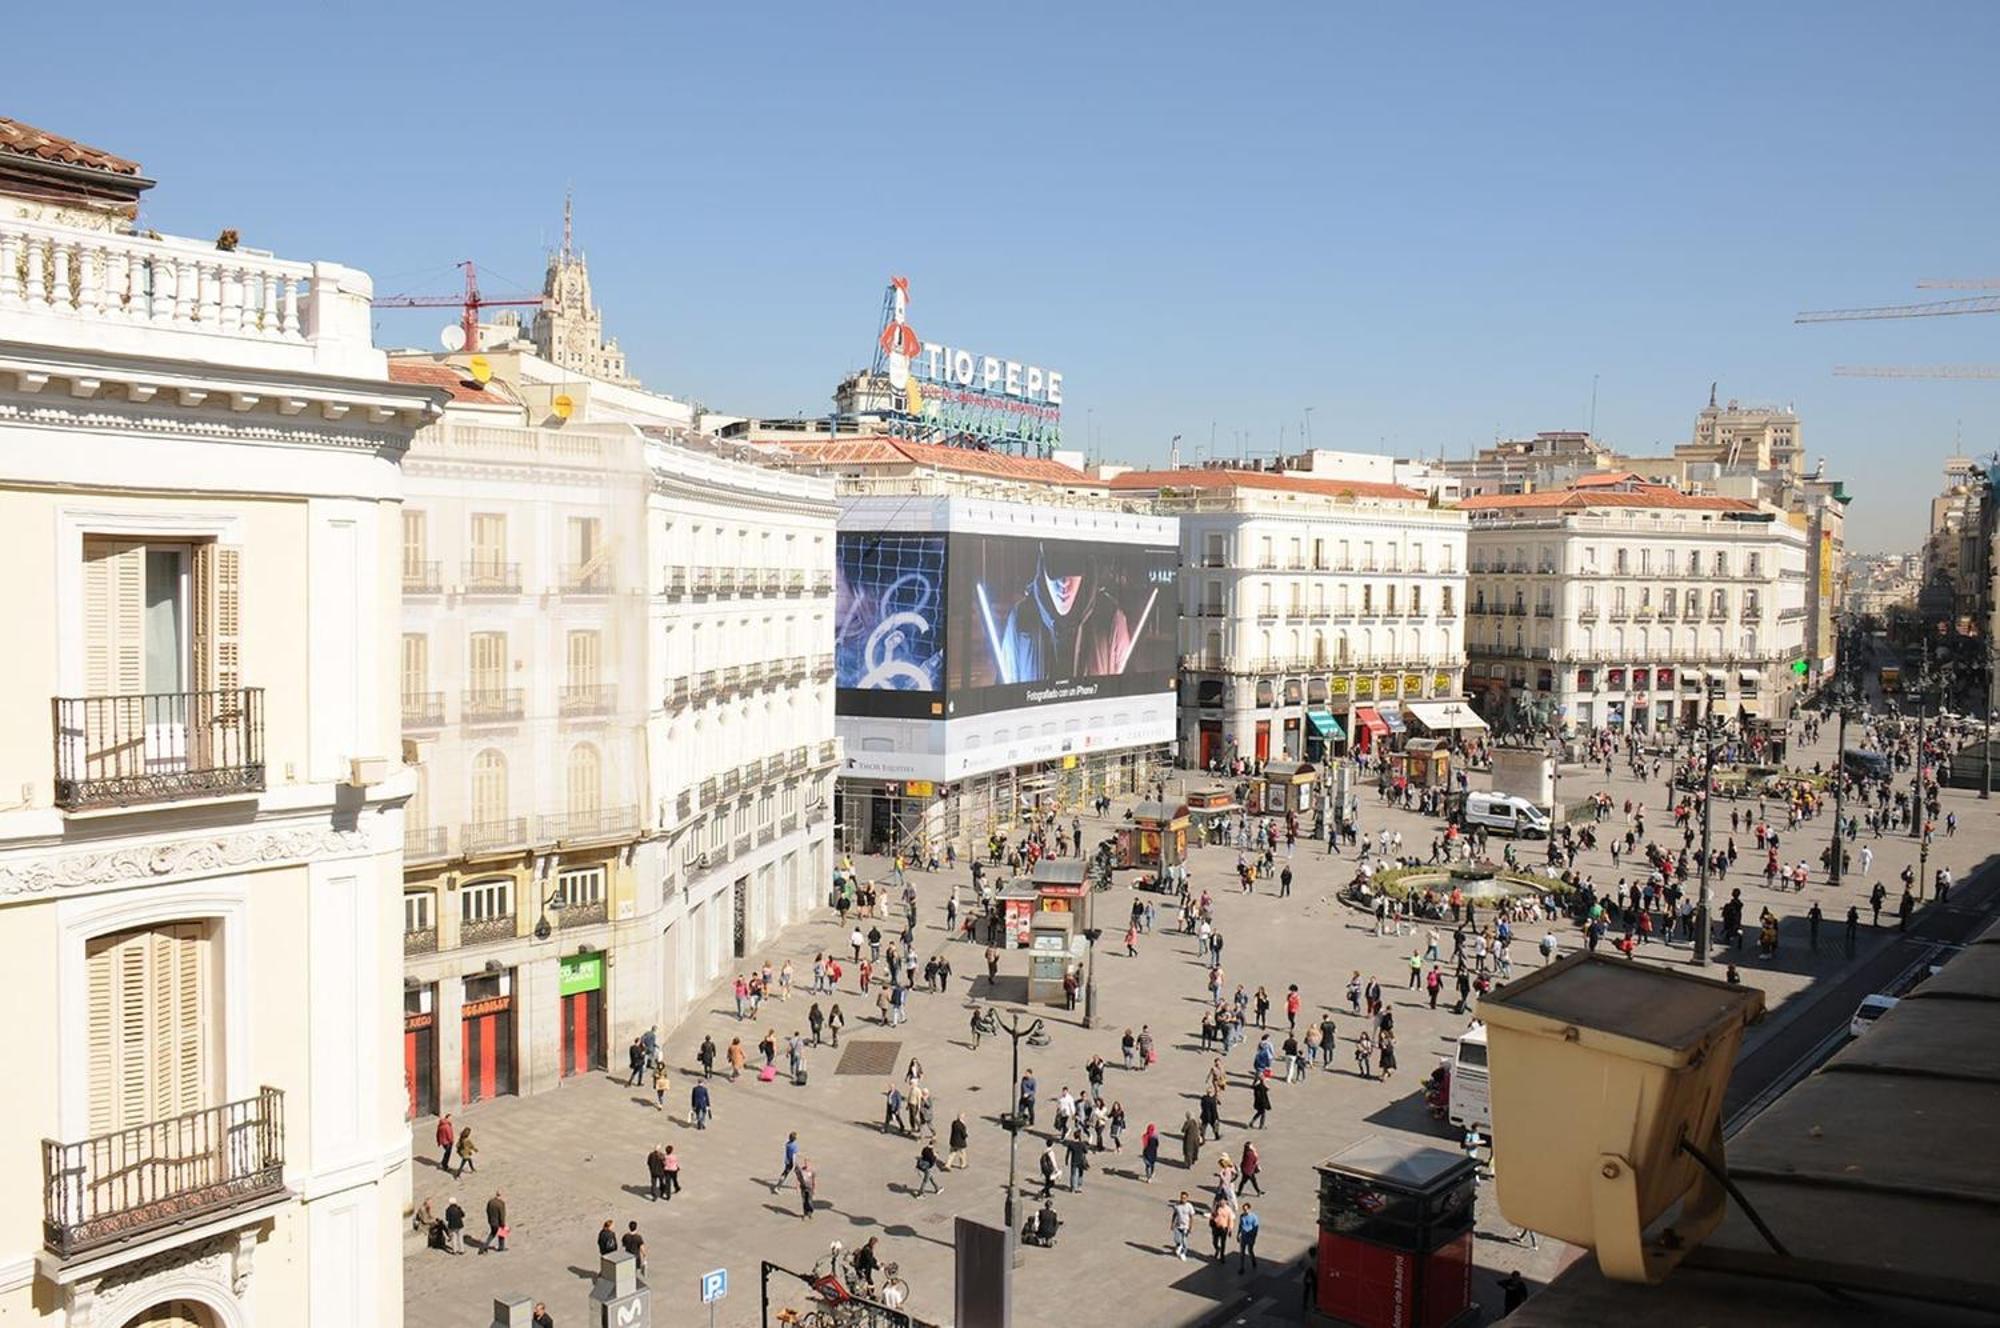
584 972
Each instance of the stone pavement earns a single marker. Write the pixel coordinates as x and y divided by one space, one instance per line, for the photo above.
571 1158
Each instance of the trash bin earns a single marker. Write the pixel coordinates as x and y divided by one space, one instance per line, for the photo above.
1395 1235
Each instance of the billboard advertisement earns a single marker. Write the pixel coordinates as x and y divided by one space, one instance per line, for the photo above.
889 624
1040 621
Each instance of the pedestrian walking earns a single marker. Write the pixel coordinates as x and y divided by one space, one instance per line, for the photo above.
635 1058
791 1161
699 1106
447 1135
634 1244
736 1057
496 1224
1249 1168
1364 1053
466 1150
1190 1141
660 1087
706 1057
927 1169
656 1172
1221 1223
607 1239
1260 1103
672 1164
454 1227
1180 1224
808 1180
959 1137
1246 1239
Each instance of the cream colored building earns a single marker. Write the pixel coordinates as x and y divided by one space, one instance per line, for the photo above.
1619 604
200 857
524 701
1735 436
1314 610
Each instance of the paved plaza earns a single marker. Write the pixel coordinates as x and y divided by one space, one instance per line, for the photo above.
573 1158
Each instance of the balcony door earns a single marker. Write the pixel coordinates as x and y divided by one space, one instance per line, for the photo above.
151 1016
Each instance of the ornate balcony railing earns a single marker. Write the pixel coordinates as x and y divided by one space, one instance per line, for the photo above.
492 705
425 843
423 941
422 579
795 582
677 582
486 836
119 751
597 698
592 578
423 710
704 580
828 753
480 577
582 915
582 826
484 930
677 694
822 583
195 1165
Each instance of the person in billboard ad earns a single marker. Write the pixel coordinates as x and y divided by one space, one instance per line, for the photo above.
1036 621
1064 625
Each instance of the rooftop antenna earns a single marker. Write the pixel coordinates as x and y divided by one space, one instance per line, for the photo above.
1174 453
1593 407
1711 396
569 218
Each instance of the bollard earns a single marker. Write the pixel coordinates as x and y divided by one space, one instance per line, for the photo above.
513 1311
618 1299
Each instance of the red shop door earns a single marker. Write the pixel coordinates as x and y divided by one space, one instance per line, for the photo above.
1211 741
582 1032
488 1068
420 1068
1263 741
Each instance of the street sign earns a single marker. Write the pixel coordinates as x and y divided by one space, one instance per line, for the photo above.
714 1286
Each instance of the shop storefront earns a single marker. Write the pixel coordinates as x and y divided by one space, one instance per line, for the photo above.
580 987
486 1041
1323 735
420 1056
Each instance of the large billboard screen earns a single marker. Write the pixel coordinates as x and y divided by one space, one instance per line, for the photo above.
889 633
1037 621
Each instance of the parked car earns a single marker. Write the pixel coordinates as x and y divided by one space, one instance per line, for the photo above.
1870 1009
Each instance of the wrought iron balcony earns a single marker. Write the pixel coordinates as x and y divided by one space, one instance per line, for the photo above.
485 578
485 930
684 806
741 846
597 823
709 789
795 582
486 836
704 580
582 915
121 751
677 582
725 580
677 694
592 578
828 753
129 1182
492 705
422 579
774 581
822 583
422 941
425 843
597 698
423 710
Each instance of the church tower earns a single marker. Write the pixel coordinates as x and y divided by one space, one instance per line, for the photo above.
568 329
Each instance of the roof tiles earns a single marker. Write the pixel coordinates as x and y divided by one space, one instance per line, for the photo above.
1223 478
24 140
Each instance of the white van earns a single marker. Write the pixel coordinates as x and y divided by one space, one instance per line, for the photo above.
1507 813
1471 1095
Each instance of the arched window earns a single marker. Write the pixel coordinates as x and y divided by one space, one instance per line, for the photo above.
489 787
585 779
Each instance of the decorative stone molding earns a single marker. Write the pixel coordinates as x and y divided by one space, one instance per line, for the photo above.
167 860
248 428
215 1272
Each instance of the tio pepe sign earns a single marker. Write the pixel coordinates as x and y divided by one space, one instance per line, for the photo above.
1007 378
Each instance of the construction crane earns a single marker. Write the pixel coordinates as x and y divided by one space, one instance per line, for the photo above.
1975 304
469 304
1916 370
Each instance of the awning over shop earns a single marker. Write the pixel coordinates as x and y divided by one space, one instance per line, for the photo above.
1750 675
1368 719
1394 719
1718 675
1444 716
1325 725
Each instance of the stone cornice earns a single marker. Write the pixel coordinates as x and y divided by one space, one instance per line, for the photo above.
159 859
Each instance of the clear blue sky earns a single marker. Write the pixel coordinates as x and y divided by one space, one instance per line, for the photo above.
1430 227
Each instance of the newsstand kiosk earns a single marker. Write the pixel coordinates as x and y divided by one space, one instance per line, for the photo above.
1395 1235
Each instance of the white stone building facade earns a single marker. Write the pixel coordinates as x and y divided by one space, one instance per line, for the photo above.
1306 599
1619 605
201 856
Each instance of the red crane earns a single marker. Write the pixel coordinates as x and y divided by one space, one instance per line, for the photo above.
469 304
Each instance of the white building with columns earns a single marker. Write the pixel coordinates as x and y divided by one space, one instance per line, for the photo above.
201 854
1615 604
1316 612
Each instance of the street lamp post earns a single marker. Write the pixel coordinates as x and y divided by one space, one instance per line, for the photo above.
1011 1120
1843 700
1702 900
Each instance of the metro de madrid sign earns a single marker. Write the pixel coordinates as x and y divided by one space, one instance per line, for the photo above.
958 395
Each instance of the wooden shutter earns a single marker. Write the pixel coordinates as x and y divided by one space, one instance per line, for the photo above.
416 666
218 619
489 661
114 612
489 787
489 540
413 545
585 778
583 659
148 994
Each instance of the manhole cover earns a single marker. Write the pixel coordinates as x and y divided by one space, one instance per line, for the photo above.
868 1058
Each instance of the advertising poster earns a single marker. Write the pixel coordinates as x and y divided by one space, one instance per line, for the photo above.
889 625
1041 621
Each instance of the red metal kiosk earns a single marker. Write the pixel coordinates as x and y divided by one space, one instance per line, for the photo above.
1395 1235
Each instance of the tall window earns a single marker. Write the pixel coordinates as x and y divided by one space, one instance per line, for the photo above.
1416 601
581 885
150 1015
160 617
1445 593
584 659
585 778
419 910
488 665
416 544
585 552
489 542
485 901
1750 561
416 667
489 787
